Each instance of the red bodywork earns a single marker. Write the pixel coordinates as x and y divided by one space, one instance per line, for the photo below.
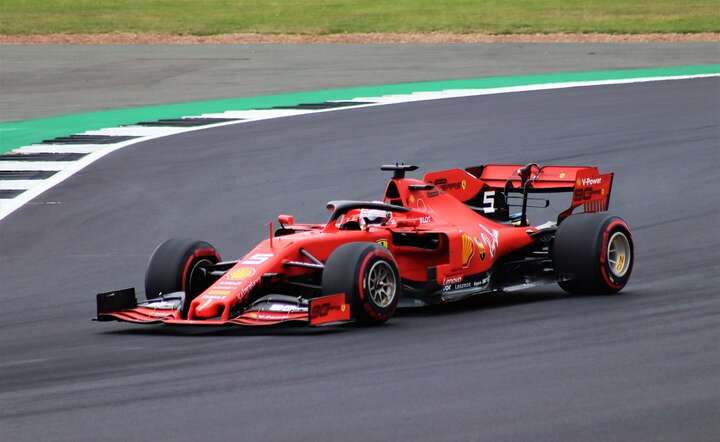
445 238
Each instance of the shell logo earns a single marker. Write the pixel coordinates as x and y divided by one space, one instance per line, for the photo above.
481 249
463 184
562 175
468 249
241 273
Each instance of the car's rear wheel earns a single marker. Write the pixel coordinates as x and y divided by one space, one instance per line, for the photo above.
593 253
179 265
369 277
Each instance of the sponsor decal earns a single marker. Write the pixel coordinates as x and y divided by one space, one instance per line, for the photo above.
562 175
285 308
468 249
591 181
426 219
163 305
264 316
460 185
411 199
444 185
208 299
256 259
491 238
585 194
477 282
432 194
241 273
481 248
324 309
382 242
248 288
327 309
488 240
227 284
218 292
449 280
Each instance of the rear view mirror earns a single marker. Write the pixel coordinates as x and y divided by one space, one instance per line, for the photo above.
286 220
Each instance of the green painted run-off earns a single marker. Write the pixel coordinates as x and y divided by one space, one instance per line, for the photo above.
20 133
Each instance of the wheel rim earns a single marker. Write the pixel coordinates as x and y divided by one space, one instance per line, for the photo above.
197 275
618 254
382 284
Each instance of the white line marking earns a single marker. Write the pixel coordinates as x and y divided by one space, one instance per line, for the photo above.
18 184
261 114
70 168
34 165
58 148
136 131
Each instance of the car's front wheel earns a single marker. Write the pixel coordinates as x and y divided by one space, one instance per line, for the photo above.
179 265
368 276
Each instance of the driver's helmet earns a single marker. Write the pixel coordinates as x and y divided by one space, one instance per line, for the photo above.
374 217
359 218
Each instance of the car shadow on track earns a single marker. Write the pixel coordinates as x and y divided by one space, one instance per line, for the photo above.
482 302
202 331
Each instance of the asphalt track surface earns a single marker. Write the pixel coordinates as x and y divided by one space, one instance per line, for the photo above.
46 80
538 366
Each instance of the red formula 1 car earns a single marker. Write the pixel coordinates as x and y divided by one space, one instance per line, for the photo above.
446 237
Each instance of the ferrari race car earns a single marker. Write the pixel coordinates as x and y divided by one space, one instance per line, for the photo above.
444 238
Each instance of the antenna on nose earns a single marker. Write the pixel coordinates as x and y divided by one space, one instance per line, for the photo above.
398 169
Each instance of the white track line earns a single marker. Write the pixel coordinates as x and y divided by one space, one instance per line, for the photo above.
58 148
258 114
34 165
69 168
137 131
18 184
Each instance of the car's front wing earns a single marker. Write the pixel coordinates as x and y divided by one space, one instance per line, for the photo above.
122 305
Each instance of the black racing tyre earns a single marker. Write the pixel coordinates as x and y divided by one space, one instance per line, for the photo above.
593 253
177 266
369 277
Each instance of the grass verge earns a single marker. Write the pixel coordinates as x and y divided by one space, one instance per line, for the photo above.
320 17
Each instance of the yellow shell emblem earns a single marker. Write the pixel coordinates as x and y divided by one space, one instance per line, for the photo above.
241 273
382 242
463 184
481 250
468 249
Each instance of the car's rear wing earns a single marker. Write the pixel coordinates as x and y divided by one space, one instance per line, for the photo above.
590 188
